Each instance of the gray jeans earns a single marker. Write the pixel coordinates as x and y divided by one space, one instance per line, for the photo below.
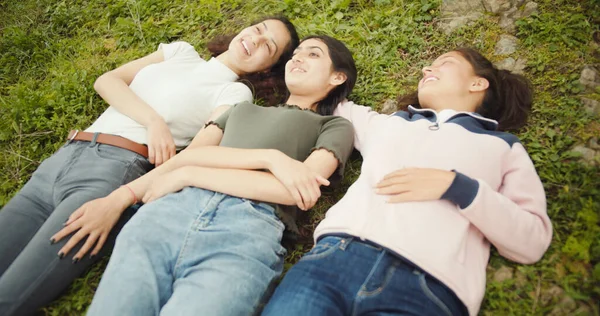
31 273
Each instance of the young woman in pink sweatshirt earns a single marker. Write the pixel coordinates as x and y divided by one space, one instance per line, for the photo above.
412 235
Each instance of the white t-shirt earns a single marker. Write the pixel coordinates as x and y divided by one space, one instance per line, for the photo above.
183 89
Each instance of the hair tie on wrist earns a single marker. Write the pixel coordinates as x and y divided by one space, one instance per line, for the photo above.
135 200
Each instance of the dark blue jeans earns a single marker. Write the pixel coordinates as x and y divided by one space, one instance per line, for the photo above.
344 276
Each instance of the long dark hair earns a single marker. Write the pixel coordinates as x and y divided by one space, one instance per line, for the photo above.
508 99
342 61
268 85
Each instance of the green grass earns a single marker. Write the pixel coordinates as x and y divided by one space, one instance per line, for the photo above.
52 51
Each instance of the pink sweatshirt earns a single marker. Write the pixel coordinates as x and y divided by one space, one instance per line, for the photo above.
496 198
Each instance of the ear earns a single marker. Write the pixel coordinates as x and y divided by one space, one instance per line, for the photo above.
479 84
337 78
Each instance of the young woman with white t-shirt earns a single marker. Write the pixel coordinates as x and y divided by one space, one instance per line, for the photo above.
157 105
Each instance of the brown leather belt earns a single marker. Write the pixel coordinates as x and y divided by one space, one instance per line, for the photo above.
112 140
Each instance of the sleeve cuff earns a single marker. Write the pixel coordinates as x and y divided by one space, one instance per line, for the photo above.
462 191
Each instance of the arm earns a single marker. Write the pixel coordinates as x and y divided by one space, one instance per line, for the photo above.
302 180
113 87
513 219
246 183
361 118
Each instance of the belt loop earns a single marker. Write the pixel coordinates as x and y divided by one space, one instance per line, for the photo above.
345 242
71 137
93 142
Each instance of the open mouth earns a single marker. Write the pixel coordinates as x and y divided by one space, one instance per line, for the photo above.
246 47
428 79
297 69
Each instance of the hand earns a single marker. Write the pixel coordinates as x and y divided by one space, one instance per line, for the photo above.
93 220
161 146
415 184
165 184
302 183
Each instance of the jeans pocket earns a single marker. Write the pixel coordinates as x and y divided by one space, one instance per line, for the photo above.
265 212
429 286
323 248
115 153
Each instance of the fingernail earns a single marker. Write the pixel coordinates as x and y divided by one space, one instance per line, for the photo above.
61 255
52 241
75 260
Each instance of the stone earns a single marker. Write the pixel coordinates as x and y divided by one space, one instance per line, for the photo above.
520 279
589 77
507 24
551 294
583 310
512 13
512 65
456 13
591 106
588 155
496 6
593 144
389 106
506 45
503 274
506 64
520 66
565 307
530 9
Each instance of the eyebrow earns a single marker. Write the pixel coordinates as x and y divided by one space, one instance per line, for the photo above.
272 39
310 47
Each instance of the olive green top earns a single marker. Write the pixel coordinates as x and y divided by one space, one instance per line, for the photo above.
293 131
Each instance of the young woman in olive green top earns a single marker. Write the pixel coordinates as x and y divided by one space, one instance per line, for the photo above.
214 247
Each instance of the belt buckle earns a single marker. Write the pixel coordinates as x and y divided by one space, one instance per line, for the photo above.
72 137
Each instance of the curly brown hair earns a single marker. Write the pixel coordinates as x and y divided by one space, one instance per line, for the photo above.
269 85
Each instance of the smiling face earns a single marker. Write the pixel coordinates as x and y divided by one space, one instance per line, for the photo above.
310 71
258 47
450 80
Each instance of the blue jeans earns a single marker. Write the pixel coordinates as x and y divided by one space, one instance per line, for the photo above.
344 276
195 252
31 273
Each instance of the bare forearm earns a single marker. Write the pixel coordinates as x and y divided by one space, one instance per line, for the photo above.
117 93
248 184
227 157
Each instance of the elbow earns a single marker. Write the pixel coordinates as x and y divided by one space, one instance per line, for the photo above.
532 252
100 82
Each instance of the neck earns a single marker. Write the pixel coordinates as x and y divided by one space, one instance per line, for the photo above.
462 105
303 102
225 58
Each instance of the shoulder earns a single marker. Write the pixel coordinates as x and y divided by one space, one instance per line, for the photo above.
237 88
179 48
338 123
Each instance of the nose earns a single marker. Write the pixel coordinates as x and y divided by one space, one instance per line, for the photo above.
259 40
297 58
426 70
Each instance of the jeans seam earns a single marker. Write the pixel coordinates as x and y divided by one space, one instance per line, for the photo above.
331 249
356 299
386 280
69 164
33 285
185 244
193 228
436 300
274 221
129 166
